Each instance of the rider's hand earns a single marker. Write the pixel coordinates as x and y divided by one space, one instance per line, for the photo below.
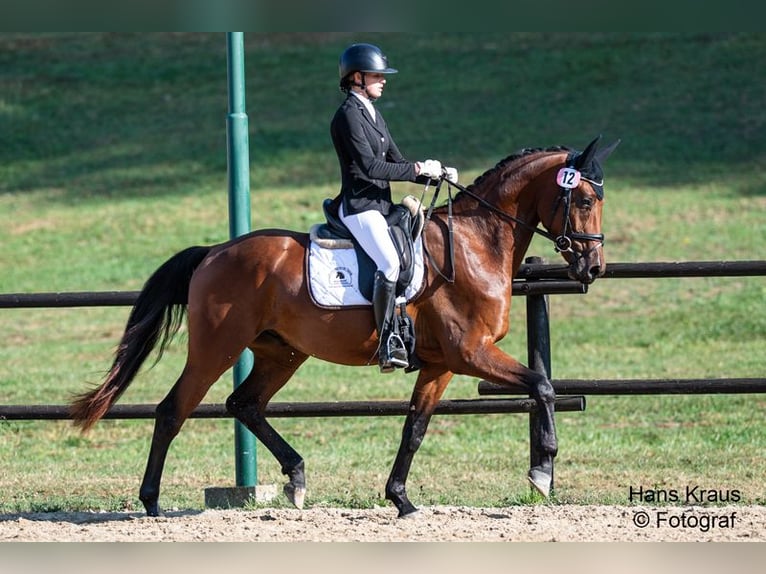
430 168
450 173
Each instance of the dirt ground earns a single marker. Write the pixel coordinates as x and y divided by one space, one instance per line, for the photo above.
542 523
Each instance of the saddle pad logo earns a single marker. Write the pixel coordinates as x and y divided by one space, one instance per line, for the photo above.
341 277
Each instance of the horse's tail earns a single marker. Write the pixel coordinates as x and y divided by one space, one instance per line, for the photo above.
156 316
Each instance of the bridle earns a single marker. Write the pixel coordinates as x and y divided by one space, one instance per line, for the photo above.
564 241
568 179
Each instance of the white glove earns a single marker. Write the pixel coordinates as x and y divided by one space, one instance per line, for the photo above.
450 174
431 168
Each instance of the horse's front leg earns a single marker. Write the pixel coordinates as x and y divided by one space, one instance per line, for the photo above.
543 437
491 363
428 390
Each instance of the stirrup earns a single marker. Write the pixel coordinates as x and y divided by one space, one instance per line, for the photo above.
394 355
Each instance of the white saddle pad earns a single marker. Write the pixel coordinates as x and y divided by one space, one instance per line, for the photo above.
334 276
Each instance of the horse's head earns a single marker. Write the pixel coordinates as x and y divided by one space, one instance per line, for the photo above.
573 214
564 192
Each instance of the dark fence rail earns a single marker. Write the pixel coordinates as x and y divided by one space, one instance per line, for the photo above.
71 299
307 409
653 270
638 387
532 279
128 298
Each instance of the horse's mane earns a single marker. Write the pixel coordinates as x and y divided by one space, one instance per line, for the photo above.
503 164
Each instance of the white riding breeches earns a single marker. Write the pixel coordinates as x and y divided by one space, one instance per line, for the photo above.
371 231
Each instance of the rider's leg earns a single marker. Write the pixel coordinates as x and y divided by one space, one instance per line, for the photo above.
371 231
391 352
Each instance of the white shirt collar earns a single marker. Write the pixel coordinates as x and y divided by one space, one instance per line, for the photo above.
367 104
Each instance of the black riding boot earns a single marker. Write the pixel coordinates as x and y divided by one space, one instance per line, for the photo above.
391 352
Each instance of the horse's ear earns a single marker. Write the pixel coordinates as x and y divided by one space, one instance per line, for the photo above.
585 158
602 154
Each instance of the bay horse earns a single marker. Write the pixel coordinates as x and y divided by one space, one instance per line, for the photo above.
251 292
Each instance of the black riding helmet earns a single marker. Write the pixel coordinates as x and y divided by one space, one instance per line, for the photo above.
361 58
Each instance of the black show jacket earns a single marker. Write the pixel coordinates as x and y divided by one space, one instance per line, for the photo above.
368 157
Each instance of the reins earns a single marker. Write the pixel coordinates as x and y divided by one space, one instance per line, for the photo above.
450 232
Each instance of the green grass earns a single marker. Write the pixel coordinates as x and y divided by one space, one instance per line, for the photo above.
112 157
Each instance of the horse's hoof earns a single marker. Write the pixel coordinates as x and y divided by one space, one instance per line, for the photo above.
295 494
410 515
407 510
152 509
541 481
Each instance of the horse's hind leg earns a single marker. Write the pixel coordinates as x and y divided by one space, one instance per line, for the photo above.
272 368
170 416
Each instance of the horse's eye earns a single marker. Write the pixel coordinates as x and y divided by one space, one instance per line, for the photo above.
584 203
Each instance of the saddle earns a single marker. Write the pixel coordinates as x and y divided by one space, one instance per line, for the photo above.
405 223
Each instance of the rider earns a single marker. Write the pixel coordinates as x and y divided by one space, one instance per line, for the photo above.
369 160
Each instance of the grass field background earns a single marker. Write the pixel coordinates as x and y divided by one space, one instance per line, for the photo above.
113 157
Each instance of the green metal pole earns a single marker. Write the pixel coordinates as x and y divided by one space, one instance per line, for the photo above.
239 224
